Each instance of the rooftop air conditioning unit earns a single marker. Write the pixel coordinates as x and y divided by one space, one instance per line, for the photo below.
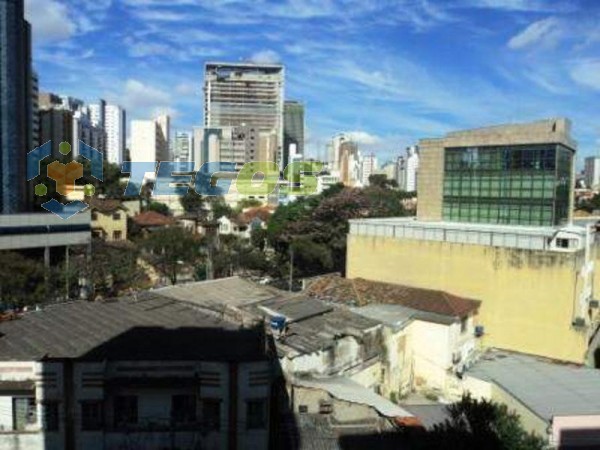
594 303
325 407
579 322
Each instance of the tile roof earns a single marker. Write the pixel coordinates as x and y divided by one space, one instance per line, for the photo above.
152 219
105 205
359 292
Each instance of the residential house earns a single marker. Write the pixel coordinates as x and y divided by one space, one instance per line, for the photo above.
109 219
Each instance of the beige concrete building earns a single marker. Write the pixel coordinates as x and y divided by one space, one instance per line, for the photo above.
493 214
519 174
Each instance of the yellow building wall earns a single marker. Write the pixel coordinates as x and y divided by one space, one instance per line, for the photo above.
110 225
527 297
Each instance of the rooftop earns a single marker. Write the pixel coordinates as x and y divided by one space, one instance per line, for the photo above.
106 206
152 219
545 387
360 292
147 327
513 236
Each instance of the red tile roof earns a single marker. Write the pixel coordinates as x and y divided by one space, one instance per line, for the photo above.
359 292
152 219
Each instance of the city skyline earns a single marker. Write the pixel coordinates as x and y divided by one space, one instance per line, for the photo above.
388 73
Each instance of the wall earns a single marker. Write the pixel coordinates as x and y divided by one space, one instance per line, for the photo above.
527 296
584 424
108 225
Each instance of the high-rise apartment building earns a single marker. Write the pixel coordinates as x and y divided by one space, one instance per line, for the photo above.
513 174
368 166
35 110
183 146
246 95
115 128
293 130
234 144
349 163
148 140
16 112
592 172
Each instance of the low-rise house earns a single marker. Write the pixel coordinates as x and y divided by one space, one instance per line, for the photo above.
149 221
429 335
234 226
558 401
109 219
142 372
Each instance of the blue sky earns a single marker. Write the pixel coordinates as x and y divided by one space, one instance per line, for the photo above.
390 72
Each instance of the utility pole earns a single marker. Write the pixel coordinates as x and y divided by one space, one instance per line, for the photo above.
291 267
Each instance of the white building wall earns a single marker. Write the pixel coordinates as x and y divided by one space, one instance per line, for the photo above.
143 141
115 133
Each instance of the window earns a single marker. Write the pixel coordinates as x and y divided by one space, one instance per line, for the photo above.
116 216
256 414
211 414
562 243
183 409
126 410
24 412
50 416
117 235
91 415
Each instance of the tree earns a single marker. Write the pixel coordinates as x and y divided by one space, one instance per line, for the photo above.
114 268
258 238
382 181
220 208
22 280
192 202
475 424
248 203
159 208
171 250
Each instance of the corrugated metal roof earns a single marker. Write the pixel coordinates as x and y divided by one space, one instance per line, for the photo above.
149 327
545 387
350 391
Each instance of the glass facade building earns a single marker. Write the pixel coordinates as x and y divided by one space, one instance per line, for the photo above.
510 185
16 114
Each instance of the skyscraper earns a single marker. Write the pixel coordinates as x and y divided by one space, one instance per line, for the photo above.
148 139
111 119
293 129
115 129
183 147
16 112
246 94
368 166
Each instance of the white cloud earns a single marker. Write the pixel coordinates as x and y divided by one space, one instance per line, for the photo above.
265 57
587 73
50 20
520 5
138 95
188 89
363 137
545 32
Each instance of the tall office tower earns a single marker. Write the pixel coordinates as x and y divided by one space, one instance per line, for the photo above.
368 166
111 119
35 110
246 94
115 130
349 157
183 146
412 168
293 129
16 116
148 142
56 125
163 122
592 172
401 172
334 151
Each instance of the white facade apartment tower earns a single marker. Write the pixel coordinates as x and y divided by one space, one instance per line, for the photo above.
115 128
